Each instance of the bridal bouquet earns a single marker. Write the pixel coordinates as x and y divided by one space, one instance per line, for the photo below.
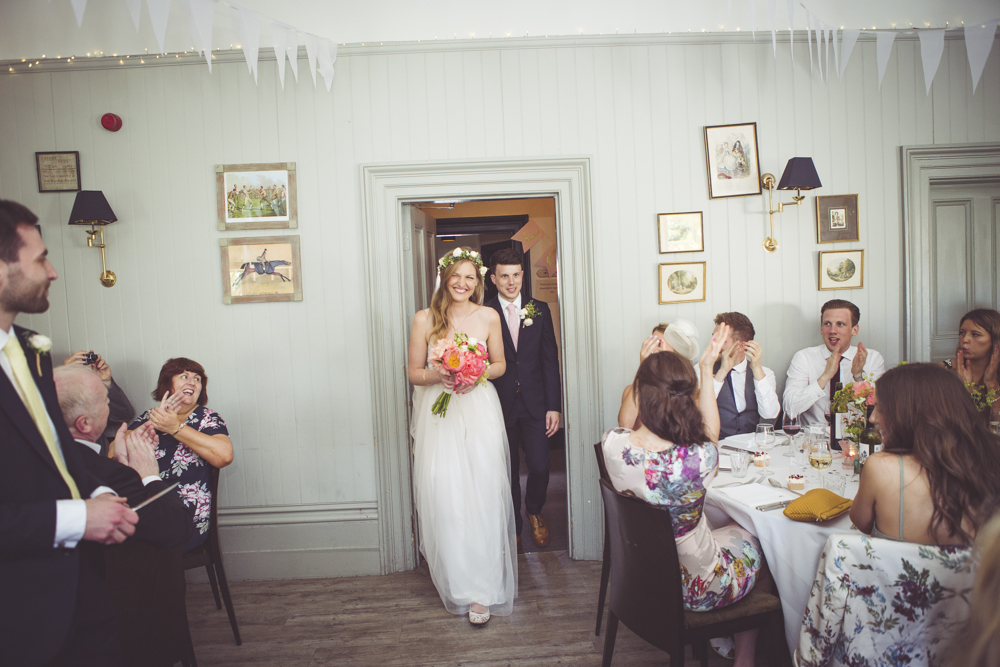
466 359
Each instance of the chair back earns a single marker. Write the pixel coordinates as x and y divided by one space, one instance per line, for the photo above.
646 593
601 465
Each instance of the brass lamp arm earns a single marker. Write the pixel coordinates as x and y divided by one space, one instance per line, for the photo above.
768 181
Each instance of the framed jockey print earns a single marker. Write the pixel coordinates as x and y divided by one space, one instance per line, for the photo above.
261 269
256 196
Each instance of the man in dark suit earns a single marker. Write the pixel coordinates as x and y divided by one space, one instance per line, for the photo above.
54 609
121 410
530 391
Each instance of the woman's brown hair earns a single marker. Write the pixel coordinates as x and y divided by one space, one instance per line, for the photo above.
925 411
177 366
441 300
665 387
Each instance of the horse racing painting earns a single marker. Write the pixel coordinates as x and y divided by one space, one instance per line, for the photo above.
256 196
261 269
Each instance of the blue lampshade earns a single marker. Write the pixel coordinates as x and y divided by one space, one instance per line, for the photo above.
800 174
91 208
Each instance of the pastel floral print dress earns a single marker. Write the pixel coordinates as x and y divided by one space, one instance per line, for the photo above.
178 463
718 567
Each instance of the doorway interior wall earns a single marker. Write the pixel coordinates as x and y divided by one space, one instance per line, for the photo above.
386 189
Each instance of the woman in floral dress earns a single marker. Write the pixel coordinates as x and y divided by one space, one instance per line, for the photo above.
671 460
193 438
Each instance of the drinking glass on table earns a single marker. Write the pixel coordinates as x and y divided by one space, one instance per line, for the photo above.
791 426
835 481
739 463
764 442
800 451
820 456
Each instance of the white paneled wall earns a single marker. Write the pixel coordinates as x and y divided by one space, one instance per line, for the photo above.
291 379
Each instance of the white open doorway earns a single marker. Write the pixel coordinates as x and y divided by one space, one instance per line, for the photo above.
392 274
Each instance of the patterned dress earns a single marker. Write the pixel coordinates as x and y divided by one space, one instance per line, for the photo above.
718 567
178 463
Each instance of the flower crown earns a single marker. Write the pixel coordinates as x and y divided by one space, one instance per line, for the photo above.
460 254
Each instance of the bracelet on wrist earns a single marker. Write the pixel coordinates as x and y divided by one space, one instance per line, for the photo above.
179 429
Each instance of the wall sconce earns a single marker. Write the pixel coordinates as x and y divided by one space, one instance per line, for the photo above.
91 208
800 174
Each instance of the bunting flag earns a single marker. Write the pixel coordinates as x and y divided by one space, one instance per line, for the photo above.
978 43
326 60
200 25
250 38
280 36
809 43
134 8
821 42
826 48
312 45
791 28
159 12
883 49
931 48
850 38
79 7
292 51
774 32
836 53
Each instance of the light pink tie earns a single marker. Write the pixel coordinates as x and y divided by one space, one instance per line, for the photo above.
513 323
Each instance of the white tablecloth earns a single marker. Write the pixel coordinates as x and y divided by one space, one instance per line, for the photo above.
792 548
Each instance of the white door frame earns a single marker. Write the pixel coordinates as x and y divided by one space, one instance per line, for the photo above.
923 166
386 188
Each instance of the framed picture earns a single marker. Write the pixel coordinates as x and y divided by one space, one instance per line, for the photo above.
680 232
256 196
58 171
682 282
261 269
841 269
733 163
837 218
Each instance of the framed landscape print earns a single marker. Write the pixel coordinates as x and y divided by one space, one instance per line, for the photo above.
733 163
682 282
680 232
837 218
261 269
256 196
841 269
58 171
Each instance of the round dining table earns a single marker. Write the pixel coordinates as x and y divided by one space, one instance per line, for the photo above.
792 549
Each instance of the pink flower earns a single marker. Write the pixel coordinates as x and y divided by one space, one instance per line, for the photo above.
871 399
862 388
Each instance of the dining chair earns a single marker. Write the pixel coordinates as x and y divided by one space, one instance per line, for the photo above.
209 555
606 559
647 597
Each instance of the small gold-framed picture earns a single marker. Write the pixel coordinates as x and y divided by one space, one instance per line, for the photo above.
682 282
261 269
837 219
681 232
841 269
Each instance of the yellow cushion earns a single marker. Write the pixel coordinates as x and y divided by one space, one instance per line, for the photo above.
817 505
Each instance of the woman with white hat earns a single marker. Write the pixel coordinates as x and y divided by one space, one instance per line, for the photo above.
679 336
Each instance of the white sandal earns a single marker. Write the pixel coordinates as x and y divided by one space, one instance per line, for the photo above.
478 619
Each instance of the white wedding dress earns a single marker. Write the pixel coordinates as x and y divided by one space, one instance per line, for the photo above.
461 484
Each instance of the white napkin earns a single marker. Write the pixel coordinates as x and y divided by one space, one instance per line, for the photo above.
758 494
739 441
725 463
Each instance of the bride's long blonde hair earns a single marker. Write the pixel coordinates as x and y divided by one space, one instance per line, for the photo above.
442 300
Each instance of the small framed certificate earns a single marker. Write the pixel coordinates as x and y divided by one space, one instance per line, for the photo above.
58 171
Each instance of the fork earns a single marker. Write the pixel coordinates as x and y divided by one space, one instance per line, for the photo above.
749 481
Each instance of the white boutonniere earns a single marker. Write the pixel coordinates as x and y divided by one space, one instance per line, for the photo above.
40 345
529 313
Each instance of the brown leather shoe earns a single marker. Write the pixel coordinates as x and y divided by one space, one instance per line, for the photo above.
539 531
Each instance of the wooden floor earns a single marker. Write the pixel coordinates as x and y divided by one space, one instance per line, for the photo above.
398 619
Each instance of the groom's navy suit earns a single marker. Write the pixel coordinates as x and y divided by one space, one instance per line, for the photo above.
528 389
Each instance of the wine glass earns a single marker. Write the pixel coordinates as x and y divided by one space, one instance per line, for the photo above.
791 426
820 456
764 441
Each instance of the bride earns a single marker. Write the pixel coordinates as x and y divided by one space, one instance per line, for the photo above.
461 474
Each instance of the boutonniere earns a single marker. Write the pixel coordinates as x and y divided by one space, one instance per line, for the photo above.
40 345
529 313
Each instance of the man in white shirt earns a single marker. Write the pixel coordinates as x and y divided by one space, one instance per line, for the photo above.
815 371
744 389
54 607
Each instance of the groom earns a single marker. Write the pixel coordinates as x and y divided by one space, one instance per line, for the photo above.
529 391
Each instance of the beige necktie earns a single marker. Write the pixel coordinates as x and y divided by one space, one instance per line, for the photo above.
36 407
513 323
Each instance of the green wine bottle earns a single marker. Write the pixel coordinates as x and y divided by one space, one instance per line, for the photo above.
838 423
870 440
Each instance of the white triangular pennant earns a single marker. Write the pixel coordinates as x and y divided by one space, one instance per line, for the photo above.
836 53
774 31
826 49
202 17
931 48
883 49
809 43
292 51
79 7
791 28
134 8
159 12
820 42
249 38
279 38
312 45
326 59
850 37
978 43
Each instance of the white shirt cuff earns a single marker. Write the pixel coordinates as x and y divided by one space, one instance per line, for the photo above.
71 523
151 478
101 490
